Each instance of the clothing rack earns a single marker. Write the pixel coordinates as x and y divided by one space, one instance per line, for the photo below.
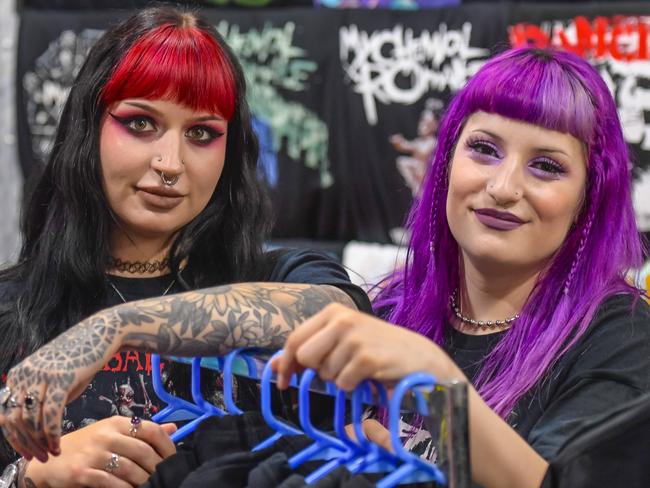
444 403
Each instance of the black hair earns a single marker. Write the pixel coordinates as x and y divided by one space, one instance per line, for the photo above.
59 278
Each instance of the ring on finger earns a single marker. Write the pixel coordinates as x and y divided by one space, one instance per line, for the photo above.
13 402
5 395
136 422
31 400
112 464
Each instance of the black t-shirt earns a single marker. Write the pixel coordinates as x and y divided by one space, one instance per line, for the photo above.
609 365
124 385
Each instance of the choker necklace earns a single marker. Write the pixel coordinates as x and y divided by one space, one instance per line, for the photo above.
137 266
169 287
483 324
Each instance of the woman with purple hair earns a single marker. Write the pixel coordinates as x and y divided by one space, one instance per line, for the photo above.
515 278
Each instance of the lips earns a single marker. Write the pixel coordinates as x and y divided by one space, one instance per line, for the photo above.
162 198
494 219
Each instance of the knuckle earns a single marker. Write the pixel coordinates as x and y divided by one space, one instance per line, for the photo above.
325 374
291 342
356 342
115 420
365 358
341 323
52 430
78 473
332 307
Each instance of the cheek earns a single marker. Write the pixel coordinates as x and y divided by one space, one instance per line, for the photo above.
464 181
116 154
557 210
207 173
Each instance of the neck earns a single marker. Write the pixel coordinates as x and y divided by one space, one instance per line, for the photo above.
492 294
139 250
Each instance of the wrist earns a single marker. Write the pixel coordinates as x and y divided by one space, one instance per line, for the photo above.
28 475
109 319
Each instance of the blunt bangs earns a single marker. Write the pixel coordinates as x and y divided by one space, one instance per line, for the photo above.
180 64
532 87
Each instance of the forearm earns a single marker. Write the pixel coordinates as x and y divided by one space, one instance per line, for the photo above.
216 320
499 456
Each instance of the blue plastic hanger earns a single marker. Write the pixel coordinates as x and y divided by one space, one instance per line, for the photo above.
413 468
325 446
281 428
355 450
208 408
177 408
228 364
376 458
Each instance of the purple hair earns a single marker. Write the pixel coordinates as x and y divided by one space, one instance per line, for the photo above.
559 91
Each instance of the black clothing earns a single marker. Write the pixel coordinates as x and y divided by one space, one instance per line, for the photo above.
214 437
609 365
612 450
339 478
221 455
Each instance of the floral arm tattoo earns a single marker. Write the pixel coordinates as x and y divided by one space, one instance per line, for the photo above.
206 322
215 321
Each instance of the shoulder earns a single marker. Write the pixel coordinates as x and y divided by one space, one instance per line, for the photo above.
622 315
288 265
616 342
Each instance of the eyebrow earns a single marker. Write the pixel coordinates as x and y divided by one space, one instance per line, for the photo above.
536 149
149 108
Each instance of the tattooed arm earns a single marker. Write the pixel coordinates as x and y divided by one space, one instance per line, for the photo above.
197 323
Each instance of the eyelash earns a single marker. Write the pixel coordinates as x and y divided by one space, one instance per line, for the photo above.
126 121
479 146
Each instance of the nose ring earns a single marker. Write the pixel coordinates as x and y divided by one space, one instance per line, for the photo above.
168 181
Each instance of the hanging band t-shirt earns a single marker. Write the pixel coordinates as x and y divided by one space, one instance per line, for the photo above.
123 386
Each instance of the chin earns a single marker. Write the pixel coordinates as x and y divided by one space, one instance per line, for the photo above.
491 256
151 230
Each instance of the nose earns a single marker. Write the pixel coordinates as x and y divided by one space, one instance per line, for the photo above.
167 155
505 184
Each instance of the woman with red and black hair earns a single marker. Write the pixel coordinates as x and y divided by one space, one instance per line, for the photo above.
151 189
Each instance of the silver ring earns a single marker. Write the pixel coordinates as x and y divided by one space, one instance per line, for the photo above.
168 181
13 402
31 400
5 396
113 464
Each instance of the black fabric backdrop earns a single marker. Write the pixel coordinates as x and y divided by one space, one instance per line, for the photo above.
103 4
330 88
